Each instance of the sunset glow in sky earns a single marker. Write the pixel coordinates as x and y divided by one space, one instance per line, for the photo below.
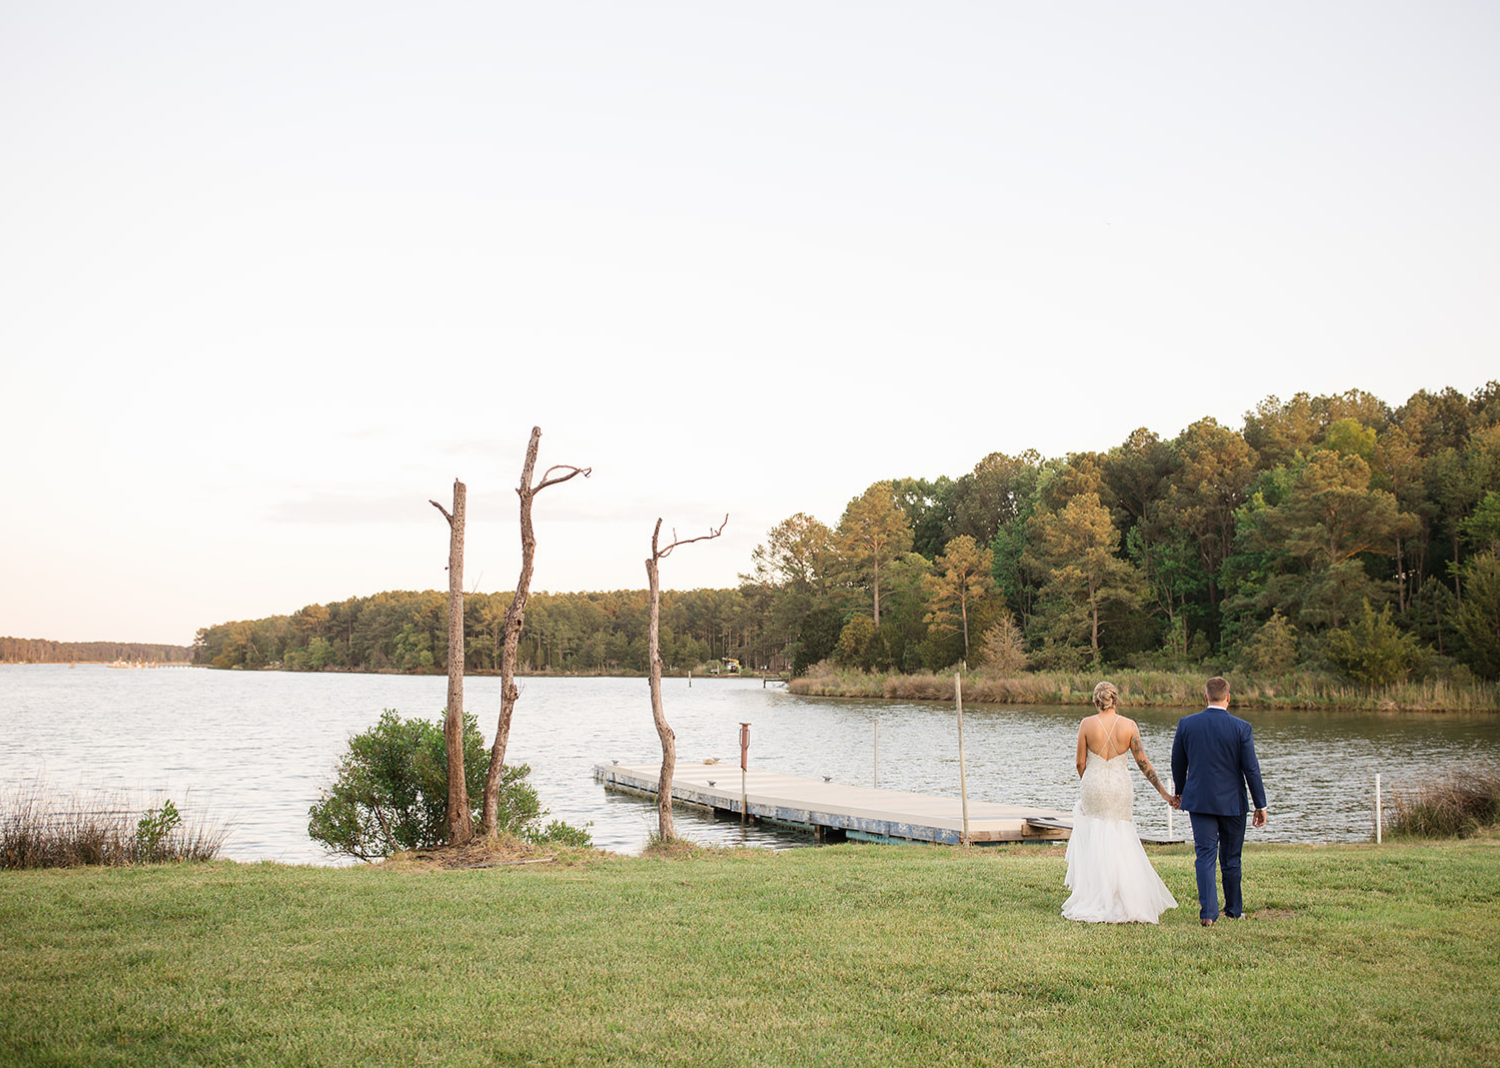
272 275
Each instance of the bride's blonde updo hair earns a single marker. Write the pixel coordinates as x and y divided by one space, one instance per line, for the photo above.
1106 696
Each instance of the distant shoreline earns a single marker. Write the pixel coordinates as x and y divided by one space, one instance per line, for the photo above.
1302 691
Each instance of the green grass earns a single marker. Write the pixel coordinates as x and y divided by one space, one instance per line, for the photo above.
847 955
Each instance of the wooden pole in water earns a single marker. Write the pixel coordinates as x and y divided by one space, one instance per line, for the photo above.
963 782
1378 820
877 749
744 764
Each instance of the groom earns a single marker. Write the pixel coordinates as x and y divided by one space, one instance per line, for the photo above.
1214 755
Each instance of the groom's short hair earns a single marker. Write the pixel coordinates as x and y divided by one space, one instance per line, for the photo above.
1216 690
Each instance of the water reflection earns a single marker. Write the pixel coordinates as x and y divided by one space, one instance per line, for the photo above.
257 747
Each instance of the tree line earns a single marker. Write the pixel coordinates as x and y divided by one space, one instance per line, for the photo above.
42 651
600 632
1329 532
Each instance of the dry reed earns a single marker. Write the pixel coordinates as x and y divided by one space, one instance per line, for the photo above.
40 832
1458 805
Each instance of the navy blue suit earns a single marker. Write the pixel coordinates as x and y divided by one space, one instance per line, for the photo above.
1213 763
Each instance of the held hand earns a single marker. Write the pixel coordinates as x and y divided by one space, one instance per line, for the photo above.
1175 800
1259 819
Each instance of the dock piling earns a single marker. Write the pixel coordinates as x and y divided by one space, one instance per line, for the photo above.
963 782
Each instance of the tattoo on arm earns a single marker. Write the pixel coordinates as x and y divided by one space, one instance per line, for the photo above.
1144 763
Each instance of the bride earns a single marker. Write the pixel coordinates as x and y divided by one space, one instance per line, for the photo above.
1111 878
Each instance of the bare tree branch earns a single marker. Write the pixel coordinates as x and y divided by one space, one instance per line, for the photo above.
548 480
440 508
665 551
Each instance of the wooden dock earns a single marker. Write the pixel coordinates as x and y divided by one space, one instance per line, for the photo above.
833 811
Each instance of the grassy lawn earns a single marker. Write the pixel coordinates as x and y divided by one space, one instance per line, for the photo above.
847 955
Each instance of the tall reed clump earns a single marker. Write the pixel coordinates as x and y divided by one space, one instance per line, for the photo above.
1459 805
40 832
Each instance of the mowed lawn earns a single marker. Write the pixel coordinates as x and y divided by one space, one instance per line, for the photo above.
846 955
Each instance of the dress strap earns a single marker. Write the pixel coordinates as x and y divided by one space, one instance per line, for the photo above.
1110 737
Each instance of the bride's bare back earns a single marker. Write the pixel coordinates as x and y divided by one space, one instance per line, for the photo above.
1110 734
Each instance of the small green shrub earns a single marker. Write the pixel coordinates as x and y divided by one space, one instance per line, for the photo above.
559 833
390 793
152 830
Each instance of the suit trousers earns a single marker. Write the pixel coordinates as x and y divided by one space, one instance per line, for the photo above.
1218 842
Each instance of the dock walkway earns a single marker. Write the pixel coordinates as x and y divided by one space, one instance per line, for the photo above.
835 811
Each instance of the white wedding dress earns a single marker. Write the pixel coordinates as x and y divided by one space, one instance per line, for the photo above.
1109 873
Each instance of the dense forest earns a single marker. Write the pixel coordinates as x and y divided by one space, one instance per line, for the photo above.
41 651
1333 533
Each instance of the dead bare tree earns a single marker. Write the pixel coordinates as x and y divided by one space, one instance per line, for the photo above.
515 617
460 820
653 659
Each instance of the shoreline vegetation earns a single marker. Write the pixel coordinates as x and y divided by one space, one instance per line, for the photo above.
847 954
1294 691
1169 689
39 829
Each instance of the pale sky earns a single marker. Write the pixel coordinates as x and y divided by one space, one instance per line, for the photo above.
273 274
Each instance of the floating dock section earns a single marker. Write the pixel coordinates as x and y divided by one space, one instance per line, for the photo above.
837 812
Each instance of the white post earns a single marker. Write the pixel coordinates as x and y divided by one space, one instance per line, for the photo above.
1378 820
877 749
963 783
1169 822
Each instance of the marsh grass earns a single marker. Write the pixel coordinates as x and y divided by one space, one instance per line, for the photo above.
846 955
1459 805
1175 689
38 830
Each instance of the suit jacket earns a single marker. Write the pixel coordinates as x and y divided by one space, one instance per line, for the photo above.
1213 761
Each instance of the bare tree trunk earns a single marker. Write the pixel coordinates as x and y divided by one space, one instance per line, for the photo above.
515 618
1094 615
666 831
963 604
1400 577
460 820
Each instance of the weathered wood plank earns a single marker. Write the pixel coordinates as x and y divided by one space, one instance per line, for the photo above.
858 811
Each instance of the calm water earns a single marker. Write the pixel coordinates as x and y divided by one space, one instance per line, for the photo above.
253 749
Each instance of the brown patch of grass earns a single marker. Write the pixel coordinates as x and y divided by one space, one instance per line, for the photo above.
1271 914
504 851
686 849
